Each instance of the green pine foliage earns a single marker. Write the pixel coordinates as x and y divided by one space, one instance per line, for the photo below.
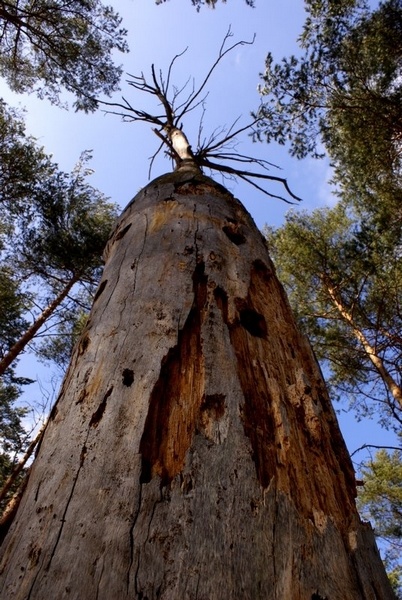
344 284
53 230
344 90
48 46
13 436
64 230
23 164
13 304
380 501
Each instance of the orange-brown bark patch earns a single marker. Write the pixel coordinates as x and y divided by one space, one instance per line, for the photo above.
234 231
286 418
194 188
176 396
212 409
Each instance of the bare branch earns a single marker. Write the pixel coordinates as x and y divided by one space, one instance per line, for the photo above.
221 55
171 67
153 157
178 91
201 126
244 158
365 446
221 145
159 93
229 136
247 175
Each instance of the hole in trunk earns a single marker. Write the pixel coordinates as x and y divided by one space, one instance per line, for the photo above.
234 233
253 322
98 414
122 233
128 377
100 289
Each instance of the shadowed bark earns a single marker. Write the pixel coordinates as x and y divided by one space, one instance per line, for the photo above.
193 452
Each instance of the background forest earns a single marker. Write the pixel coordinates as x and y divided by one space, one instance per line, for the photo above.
329 115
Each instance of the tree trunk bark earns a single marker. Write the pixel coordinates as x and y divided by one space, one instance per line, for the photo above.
193 452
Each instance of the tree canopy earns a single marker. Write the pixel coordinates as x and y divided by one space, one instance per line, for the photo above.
344 94
50 45
344 283
53 231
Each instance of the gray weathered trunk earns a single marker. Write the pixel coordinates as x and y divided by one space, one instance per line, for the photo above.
193 452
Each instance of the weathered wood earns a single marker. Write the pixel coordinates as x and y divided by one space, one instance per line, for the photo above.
193 452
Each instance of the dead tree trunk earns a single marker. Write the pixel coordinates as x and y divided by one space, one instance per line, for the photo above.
193 452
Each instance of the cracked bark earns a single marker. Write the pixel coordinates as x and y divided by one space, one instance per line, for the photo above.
193 452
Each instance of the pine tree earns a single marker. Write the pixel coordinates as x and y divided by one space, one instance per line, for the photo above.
50 46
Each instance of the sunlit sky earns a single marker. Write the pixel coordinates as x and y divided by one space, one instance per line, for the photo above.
156 35
121 150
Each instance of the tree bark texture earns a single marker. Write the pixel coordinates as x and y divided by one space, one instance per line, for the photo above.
193 452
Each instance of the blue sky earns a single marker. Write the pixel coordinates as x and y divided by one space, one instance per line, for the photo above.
121 151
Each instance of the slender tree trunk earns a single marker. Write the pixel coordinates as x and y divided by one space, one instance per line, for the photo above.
30 333
193 452
370 351
10 510
21 464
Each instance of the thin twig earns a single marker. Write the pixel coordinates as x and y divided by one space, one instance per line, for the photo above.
244 174
365 446
221 55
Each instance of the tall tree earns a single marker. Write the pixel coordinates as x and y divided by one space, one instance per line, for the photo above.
344 90
56 45
193 424
60 241
343 281
193 451
54 227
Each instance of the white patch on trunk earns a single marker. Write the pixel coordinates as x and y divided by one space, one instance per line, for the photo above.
181 145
